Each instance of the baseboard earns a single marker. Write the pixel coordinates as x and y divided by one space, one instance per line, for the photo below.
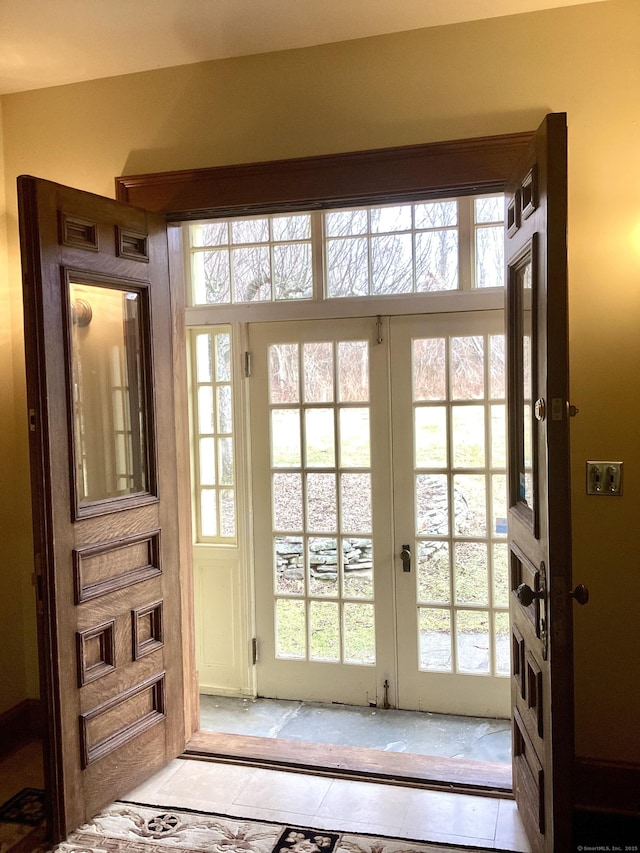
607 787
20 724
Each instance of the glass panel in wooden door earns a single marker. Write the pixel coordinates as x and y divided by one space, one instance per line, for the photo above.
108 356
320 463
449 470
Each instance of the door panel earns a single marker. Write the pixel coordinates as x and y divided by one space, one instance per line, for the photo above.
103 474
323 531
539 490
449 468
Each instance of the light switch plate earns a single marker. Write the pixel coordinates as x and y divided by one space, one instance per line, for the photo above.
604 478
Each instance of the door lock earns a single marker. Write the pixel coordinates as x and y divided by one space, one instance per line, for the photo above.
405 556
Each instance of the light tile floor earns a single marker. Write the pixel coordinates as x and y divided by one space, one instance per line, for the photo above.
308 800
338 804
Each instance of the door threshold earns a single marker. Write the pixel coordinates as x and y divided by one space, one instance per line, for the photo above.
487 778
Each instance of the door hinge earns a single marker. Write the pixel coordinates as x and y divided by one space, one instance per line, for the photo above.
254 650
247 364
36 579
32 420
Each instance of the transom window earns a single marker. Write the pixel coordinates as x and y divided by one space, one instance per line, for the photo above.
378 254
388 250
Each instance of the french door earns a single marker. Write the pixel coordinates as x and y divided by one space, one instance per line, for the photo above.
379 495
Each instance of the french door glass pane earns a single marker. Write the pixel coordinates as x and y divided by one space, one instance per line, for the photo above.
318 373
459 484
353 371
322 503
323 567
359 633
322 500
434 572
355 451
284 373
320 448
471 573
468 425
291 635
428 369
290 565
324 623
435 640
472 641
287 509
285 438
432 504
357 577
501 634
467 368
430 436
355 502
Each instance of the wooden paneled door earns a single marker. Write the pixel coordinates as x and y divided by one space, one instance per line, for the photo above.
103 473
539 516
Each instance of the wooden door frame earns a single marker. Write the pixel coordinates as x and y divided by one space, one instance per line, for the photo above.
452 168
455 168
435 170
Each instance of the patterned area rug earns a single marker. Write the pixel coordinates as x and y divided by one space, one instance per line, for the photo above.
130 828
22 822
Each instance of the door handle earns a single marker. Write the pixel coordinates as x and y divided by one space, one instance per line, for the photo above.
526 595
580 594
405 556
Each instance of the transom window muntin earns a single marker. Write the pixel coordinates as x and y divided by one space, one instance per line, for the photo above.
439 245
253 259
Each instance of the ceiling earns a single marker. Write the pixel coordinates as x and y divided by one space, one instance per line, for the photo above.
53 42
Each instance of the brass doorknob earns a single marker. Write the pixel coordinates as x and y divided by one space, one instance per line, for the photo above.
526 595
580 594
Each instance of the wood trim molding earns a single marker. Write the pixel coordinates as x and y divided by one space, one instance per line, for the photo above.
352 762
148 567
467 165
115 729
20 724
607 786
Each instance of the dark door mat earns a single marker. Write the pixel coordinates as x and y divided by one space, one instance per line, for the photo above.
25 808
